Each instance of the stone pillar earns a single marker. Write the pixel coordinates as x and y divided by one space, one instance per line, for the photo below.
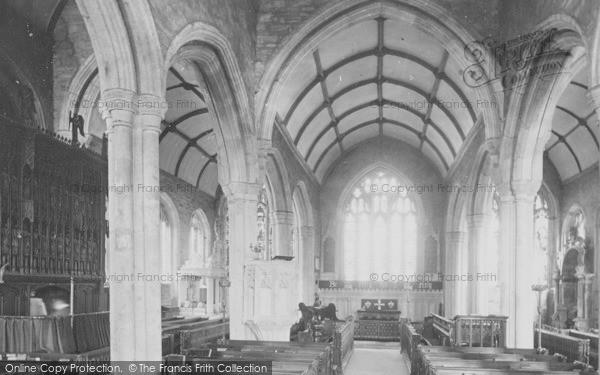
452 299
478 244
283 222
307 263
242 201
594 99
134 238
516 258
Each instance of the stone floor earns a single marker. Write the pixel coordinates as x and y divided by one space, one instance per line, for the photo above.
374 358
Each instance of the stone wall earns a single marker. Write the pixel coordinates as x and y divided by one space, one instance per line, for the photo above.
186 199
72 47
234 19
26 55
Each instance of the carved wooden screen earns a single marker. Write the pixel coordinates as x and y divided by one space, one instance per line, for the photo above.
52 217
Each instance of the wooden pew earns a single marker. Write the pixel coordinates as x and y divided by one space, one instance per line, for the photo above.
593 344
409 338
287 357
183 334
573 348
468 360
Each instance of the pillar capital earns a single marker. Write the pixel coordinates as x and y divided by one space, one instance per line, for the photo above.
525 190
237 190
151 110
455 236
282 217
477 220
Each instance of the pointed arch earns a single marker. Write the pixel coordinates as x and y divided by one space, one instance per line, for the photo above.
335 17
210 50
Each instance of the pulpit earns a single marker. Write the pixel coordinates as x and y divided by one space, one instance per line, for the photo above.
378 319
270 299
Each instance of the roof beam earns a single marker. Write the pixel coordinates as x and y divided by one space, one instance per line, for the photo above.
432 96
202 171
189 145
172 126
375 52
186 85
380 36
562 139
326 99
581 122
385 102
372 122
370 81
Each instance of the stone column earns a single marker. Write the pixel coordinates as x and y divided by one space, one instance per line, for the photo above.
516 258
242 201
594 99
283 222
134 242
452 299
478 243
307 263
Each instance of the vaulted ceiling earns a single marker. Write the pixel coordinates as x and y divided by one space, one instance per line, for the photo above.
187 142
380 77
573 144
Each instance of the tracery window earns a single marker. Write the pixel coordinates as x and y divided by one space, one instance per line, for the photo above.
166 238
540 217
379 229
199 245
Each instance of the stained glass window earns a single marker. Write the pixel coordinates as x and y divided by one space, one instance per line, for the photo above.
379 229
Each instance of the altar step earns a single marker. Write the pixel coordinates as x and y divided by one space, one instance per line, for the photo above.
376 344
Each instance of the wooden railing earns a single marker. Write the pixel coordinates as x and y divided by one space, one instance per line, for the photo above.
443 328
575 349
409 339
210 331
343 344
473 330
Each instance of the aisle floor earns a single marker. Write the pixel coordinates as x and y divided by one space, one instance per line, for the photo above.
376 359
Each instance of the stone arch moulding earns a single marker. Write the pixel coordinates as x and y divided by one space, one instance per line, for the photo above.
277 177
534 104
84 87
205 45
338 16
300 194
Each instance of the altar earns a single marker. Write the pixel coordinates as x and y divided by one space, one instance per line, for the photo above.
378 320
415 301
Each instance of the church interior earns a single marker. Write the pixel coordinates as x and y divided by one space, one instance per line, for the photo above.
346 186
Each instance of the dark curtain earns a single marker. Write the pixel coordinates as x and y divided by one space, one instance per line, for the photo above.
92 331
40 334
